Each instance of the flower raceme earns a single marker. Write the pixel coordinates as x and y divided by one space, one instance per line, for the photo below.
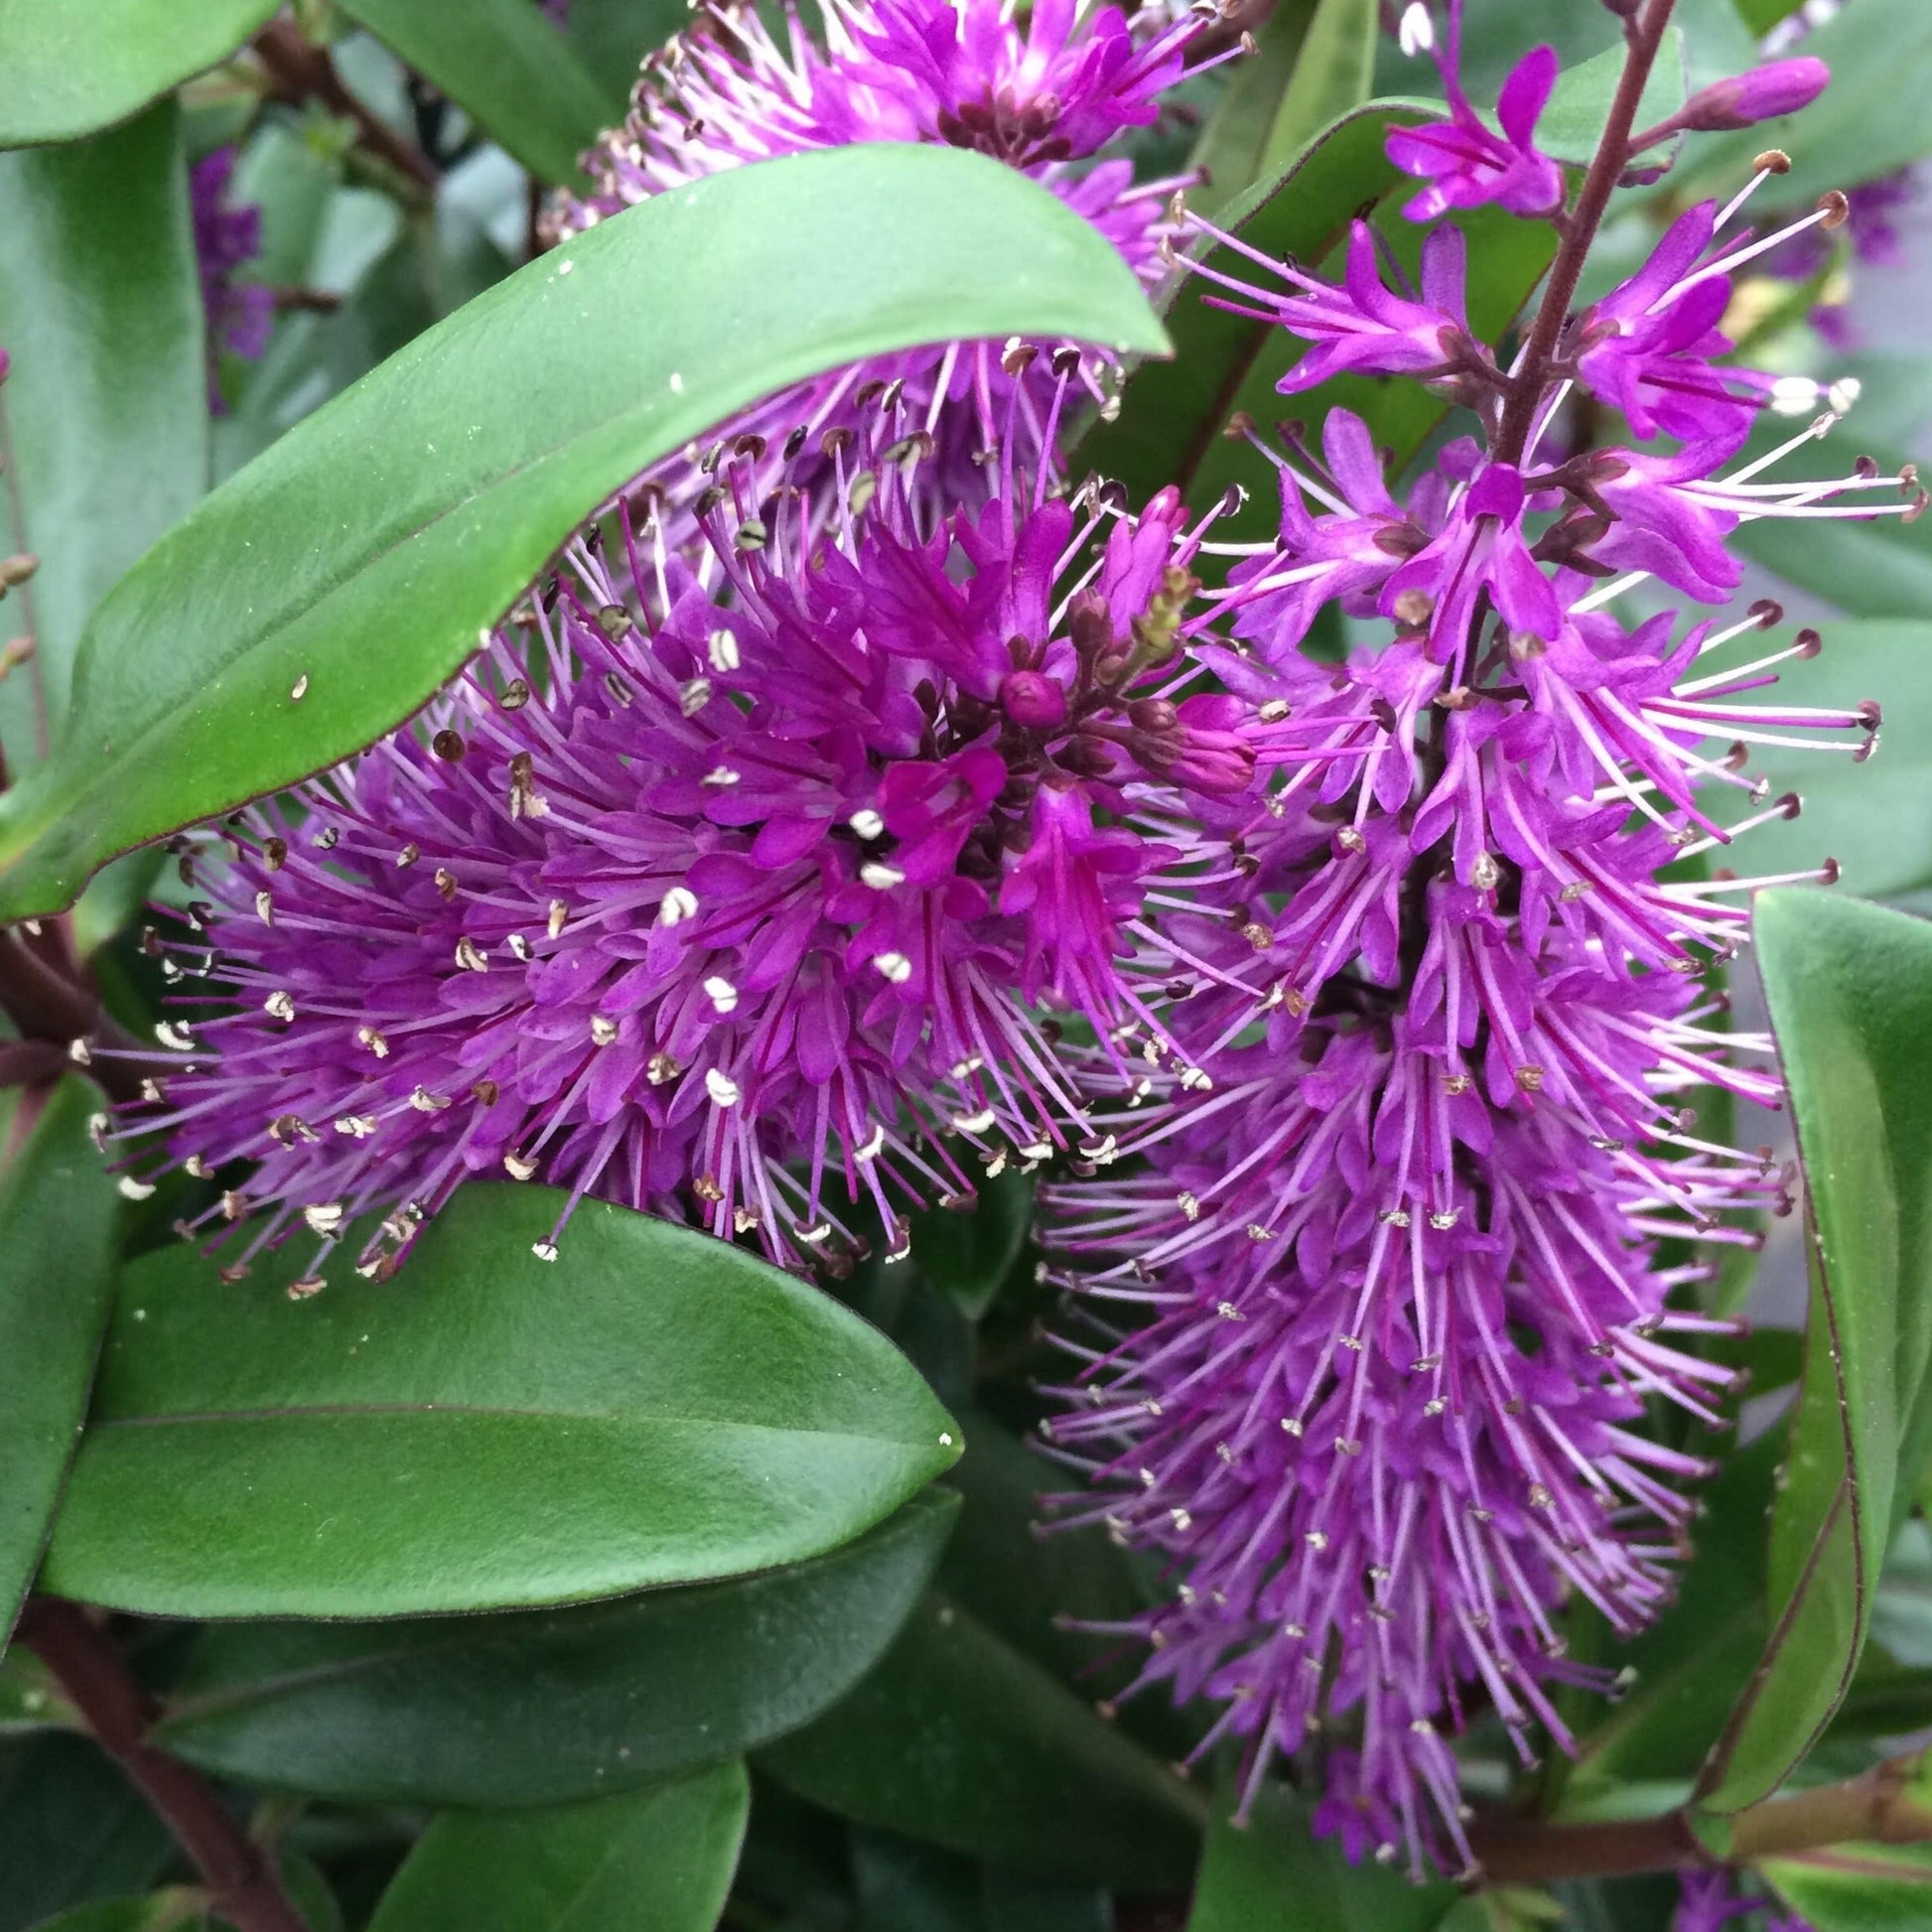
1368 1313
1049 96
736 890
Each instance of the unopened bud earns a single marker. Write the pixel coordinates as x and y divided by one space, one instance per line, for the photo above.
1779 87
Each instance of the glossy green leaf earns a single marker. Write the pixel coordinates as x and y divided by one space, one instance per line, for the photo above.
654 1406
1850 991
653 1861
1174 415
493 435
57 1284
106 408
958 1739
1876 569
1271 1875
507 67
70 67
1869 122
544 1706
1571 123
1333 69
970 1255
72 1830
1870 817
1858 1887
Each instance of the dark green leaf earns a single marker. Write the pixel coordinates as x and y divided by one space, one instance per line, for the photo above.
1870 817
1273 1874
72 1830
545 1707
493 435
1571 124
656 1407
1850 990
906 1886
1174 414
958 1739
1858 1887
57 1284
507 67
29 1698
174 1911
970 1255
70 67
653 1861
1228 153
107 409
1333 69
1866 123
1876 569
611 37
1885 1700
1020 1902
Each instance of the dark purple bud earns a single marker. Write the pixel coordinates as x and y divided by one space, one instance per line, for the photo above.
1781 88
1033 700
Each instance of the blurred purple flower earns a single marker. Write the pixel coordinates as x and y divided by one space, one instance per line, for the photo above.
729 889
226 238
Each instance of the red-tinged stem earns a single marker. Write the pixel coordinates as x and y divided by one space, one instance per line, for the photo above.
85 1662
48 1002
1875 1808
1645 35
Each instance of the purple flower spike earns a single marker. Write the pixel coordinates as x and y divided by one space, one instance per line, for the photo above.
1762 95
1049 98
1721 1900
240 314
727 890
1465 161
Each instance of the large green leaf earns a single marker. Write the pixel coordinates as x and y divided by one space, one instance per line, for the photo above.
57 1284
654 1406
73 1829
326 591
1869 122
507 67
1858 1887
106 408
1871 817
540 1707
1271 1875
1850 990
958 1739
1172 424
1330 78
653 1861
70 67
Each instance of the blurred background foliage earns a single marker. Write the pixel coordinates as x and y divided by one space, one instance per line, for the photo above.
959 1771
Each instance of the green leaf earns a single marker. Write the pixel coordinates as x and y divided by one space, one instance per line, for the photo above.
1021 1902
106 408
72 1830
1227 156
1571 125
1870 817
1858 1887
57 1284
958 1739
656 1407
1850 991
1876 569
539 1707
507 67
493 435
1271 1875
1866 123
970 1255
611 37
903 1885
659 1860
172 1910
70 67
1333 69
1171 425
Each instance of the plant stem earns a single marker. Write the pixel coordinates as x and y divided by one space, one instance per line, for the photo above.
93 1675
52 1005
299 71
1646 36
1877 1807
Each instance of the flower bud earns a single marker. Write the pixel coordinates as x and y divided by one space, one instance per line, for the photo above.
1033 700
1780 87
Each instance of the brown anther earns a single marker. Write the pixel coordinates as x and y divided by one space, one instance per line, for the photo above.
447 746
1773 161
1836 207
